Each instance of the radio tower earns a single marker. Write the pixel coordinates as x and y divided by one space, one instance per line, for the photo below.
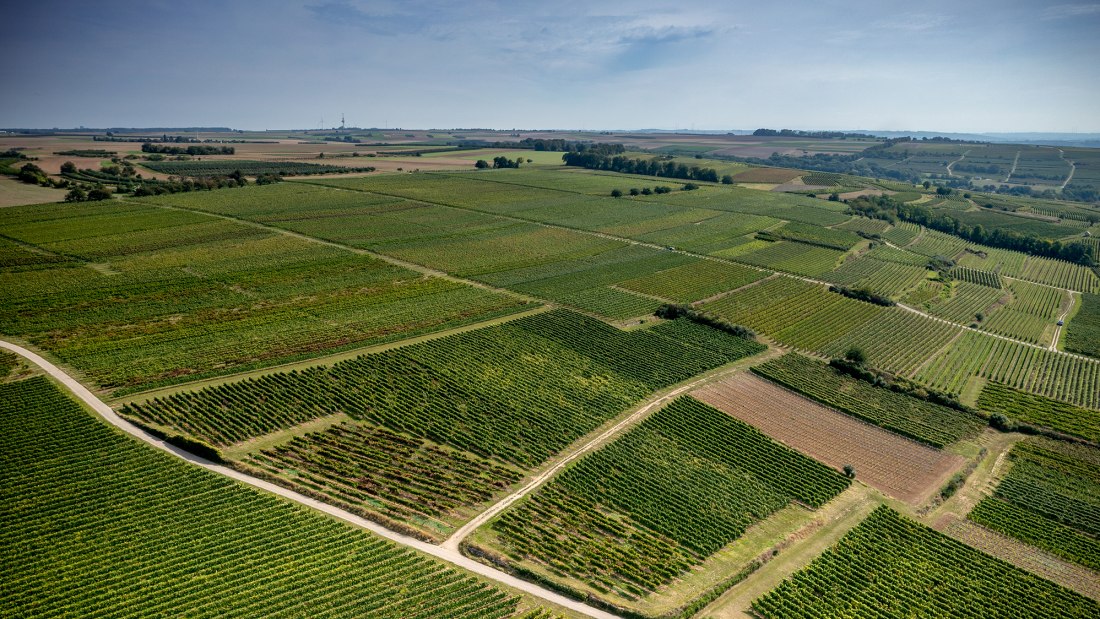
341 121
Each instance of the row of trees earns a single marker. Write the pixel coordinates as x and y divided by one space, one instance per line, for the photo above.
645 167
884 207
149 147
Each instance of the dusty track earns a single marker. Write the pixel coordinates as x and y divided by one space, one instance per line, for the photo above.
446 554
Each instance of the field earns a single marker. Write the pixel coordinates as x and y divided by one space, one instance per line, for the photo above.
505 396
1050 498
1083 332
902 414
85 533
669 490
891 562
137 296
1039 411
899 467
1031 369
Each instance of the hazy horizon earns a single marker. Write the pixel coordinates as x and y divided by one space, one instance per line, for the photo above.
982 67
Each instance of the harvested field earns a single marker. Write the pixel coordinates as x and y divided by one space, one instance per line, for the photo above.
767 175
899 467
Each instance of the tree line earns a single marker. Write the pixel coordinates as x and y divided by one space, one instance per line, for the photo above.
886 208
596 160
149 147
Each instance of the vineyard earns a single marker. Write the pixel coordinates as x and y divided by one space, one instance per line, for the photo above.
82 501
891 562
1083 332
519 391
965 302
899 467
145 297
889 279
1050 498
694 281
1019 366
917 419
974 276
1039 411
671 490
369 468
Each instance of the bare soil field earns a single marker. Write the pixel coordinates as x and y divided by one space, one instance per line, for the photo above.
767 175
899 467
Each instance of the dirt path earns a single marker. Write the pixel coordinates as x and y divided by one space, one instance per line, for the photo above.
830 523
1072 169
453 542
1058 327
447 554
1013 170
961 157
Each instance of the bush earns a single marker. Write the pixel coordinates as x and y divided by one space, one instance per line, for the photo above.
856 355
481 164
670 311
690 186
849 471
634 191
616 193
727 180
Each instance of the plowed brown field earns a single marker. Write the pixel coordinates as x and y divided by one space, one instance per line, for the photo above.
897 466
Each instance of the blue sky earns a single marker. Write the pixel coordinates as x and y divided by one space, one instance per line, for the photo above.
943 66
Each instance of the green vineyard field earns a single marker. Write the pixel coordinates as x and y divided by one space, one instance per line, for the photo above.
686 482
96 524
892 566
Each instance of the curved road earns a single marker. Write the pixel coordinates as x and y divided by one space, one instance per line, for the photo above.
446 554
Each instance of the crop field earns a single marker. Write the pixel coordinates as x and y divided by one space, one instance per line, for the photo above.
908 416
246 167
902 233
886 253
889 279
1037 410
694 281
899 467
555 375
791 257
719 232
1050 498
505 396
817 235
890 561
646 508
137 296
85 512
1082 333
1031 369
978 278
965 301
402 479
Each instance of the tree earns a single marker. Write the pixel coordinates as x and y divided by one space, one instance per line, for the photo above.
690 186
76 195
856 355
634 191
32 174
926 184
849 471
481 164
834 197
616 193
727 180
646 191
68 168
99 193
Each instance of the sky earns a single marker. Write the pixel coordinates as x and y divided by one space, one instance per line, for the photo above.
957 66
